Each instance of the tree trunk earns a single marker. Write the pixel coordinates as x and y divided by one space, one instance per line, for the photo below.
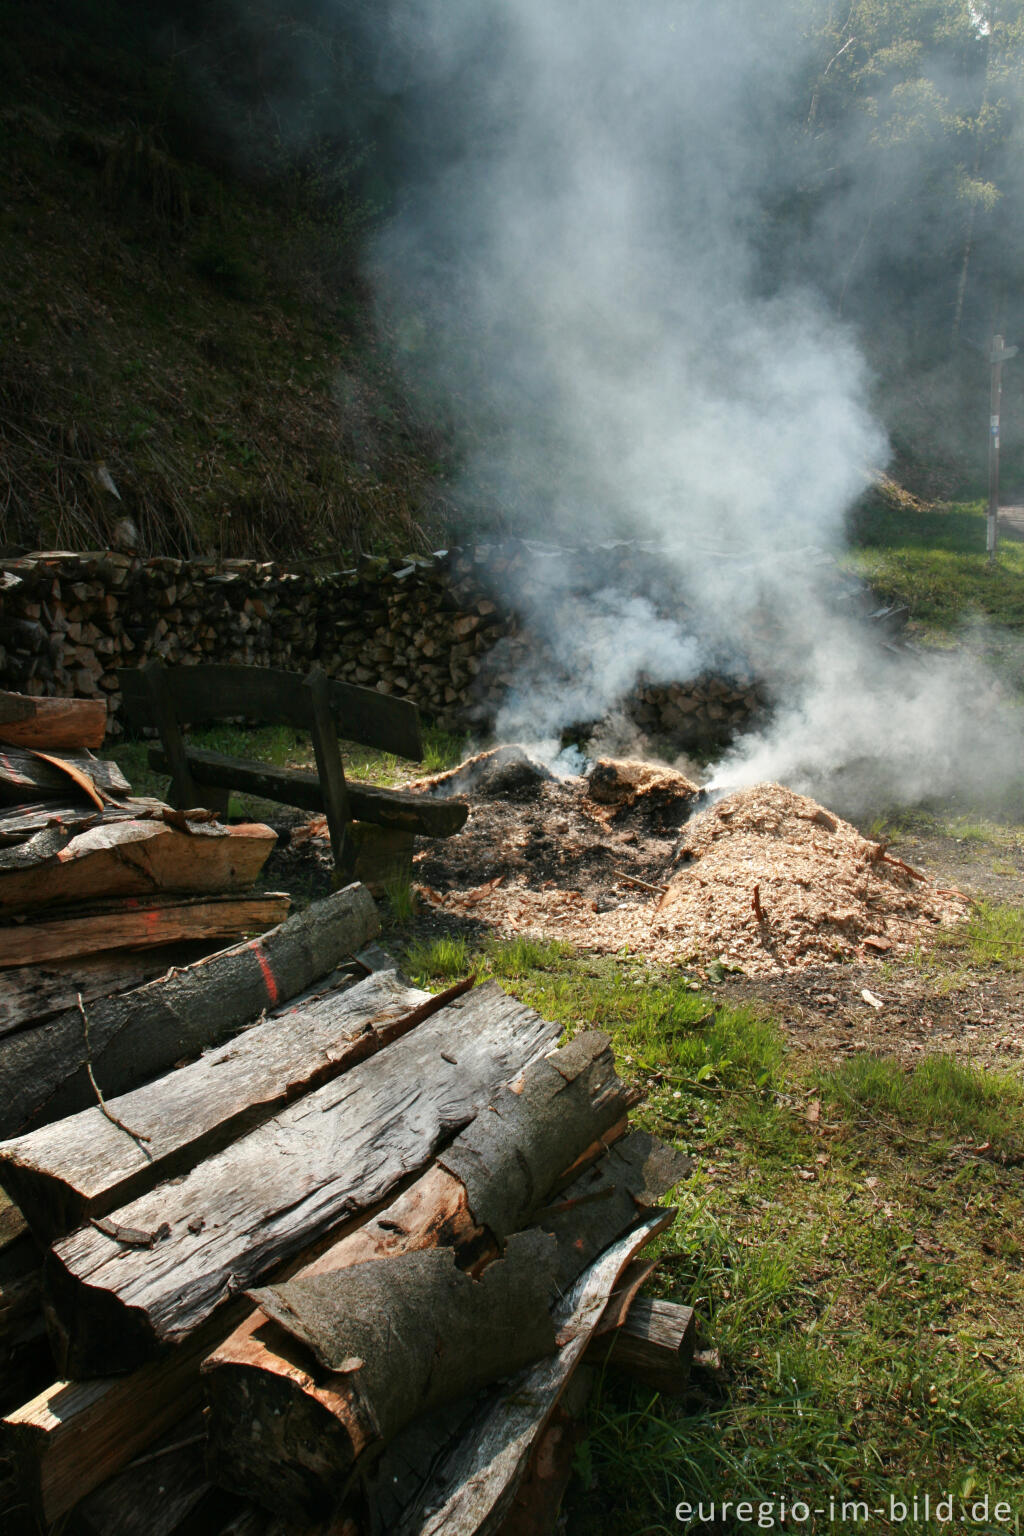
82 1167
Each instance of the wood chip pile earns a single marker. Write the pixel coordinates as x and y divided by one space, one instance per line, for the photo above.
633 855
770 880
383 1236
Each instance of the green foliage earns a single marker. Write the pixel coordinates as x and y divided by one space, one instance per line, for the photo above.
444 959
933 560
519 956
955 1101
993 935
401 900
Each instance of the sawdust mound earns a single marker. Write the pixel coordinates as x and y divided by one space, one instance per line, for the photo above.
628 858
769 880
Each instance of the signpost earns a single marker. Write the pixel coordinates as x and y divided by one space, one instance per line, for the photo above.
1001 354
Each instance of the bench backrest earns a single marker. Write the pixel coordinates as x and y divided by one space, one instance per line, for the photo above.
272 696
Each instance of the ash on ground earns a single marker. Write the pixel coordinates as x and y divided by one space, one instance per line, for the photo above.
632 855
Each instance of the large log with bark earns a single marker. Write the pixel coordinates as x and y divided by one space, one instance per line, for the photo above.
82 1167
474 1478
131 858
138 923
315 1420
52 725
138 1035
116 1300
36 991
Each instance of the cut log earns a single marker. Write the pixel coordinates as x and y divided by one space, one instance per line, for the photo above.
74 1435
130 858
157 1493
398 809
654 1344
52 725
84 1166
33 992
475 1483
142 1033
538 1499
413 1332
313 1420
266 1197
137 923
29 775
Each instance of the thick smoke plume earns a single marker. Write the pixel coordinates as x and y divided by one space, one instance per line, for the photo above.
575 276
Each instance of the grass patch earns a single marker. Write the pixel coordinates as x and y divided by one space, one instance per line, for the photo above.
519 956
444 959
933 560
993 935
955 1101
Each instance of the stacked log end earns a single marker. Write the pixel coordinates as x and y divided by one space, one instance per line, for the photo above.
454 633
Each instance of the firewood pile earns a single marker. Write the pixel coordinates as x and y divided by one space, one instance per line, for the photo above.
100 889
455 633
347 1270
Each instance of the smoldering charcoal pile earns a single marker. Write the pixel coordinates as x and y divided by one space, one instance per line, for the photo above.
447 632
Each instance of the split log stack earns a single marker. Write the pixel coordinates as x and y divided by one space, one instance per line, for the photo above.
100 890
384 1236
453 633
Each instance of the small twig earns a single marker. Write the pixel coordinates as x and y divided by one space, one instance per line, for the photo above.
890 858
645 884
139 1137
756 906
168 1450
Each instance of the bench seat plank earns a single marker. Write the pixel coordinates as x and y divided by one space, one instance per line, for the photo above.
394 808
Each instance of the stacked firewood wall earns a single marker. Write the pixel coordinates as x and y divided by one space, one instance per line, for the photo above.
427 629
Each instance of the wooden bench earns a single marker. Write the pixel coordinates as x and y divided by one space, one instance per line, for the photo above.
171 698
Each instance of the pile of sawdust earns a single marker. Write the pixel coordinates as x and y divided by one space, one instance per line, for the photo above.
769 880
764 880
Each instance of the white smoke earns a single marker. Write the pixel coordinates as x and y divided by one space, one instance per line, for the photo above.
575 275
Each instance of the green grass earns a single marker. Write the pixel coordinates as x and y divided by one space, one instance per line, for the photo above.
444 959
954 1101
934 561
993 935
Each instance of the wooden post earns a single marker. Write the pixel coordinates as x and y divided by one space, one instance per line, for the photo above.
183 793
330 771
1001 354
995 401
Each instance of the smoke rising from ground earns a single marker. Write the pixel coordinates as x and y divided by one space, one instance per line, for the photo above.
575 274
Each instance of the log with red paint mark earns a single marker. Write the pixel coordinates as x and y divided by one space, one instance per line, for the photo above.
142 1033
